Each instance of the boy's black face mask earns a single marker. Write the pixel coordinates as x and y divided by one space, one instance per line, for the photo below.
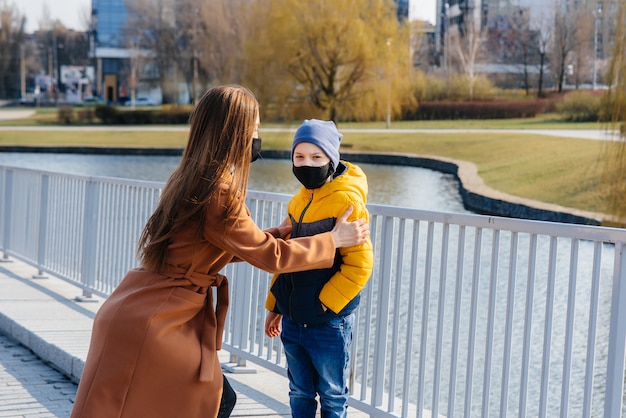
313 177
256 148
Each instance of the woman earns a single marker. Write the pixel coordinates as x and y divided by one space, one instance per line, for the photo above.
154 343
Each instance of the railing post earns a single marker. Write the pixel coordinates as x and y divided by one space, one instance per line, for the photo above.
617 338
8 192
43 226
90 240
382 316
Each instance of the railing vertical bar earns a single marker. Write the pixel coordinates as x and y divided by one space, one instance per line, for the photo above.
43 224
78 232
530 289
408 350
508 327
380 353
101 231
115 229
493 284
124 246
115 207
69 250
374 221
396 315
591 337
265 340
52 259
617 337
569 328
53 222
458 296
443 273
478 242
425 305
547 336
8 202
90 238
245 288
109 229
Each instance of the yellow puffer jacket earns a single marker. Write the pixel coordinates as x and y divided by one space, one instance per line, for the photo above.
316 211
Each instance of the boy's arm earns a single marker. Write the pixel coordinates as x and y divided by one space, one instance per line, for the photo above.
356 269
270 299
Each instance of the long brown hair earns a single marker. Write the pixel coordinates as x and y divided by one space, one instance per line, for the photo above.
219 148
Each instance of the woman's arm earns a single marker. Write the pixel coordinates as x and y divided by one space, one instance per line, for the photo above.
241 237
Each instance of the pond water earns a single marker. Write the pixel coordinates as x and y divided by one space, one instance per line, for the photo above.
410 187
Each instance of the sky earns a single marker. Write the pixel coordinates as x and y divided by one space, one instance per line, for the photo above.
423 10
70 12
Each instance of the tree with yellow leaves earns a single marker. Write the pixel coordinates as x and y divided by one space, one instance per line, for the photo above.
615 167
346 59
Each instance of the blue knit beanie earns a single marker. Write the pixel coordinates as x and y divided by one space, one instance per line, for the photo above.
322 133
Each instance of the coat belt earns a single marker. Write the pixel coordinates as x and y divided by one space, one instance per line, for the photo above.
214 318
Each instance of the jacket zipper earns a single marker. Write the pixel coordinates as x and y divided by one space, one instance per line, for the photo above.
291 275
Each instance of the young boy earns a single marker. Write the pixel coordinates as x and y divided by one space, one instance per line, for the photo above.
317 306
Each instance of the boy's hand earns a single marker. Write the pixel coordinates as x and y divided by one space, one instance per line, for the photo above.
285 228
272 324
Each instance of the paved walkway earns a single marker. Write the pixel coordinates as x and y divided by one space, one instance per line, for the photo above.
29 387
44 337
595 134
15 114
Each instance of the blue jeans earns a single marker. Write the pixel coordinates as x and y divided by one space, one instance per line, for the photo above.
318 362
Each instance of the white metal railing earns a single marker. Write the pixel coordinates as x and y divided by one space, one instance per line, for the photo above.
465 315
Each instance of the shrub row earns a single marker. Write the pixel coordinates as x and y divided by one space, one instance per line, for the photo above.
581 106
111 116
476 110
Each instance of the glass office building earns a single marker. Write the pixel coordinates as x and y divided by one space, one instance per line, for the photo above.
108 49
109 18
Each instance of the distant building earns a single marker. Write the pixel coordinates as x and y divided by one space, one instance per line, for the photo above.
403 9
108 48
504 20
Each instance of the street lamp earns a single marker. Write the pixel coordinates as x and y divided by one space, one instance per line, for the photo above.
22 72
597 13
446 28
388 86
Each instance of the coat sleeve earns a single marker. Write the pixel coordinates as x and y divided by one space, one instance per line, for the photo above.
354 272
272 230
242 238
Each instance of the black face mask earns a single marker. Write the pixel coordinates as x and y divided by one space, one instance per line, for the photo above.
256 148
313 177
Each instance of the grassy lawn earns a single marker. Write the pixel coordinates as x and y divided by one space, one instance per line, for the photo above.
563 171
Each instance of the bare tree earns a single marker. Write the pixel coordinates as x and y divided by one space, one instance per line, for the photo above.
156 20
468 43
582 49
525 44
225 26
543 41
12 24
189 38
565 29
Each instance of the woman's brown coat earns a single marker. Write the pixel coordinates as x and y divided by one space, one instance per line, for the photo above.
154 343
